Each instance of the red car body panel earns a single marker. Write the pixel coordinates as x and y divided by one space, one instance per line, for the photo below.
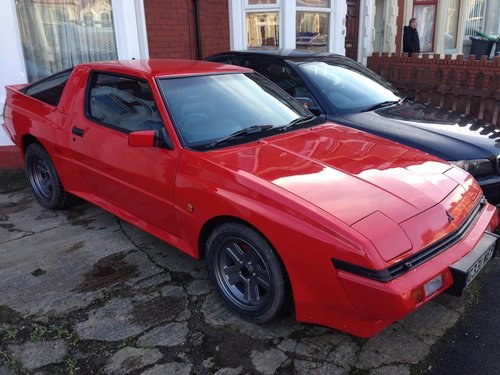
328 192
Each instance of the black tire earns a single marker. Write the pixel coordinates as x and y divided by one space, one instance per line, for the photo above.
44 180
247 273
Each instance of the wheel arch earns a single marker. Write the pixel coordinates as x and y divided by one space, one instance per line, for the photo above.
214 222
27 140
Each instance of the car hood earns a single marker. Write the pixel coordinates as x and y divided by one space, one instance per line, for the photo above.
438 132
347 173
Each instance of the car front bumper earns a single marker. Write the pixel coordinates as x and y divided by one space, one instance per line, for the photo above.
376 304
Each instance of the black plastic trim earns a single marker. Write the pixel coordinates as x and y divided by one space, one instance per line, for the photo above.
400 268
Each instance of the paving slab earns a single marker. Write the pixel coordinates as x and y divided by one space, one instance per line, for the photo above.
170 368
33 355
267 362
171 334
129 359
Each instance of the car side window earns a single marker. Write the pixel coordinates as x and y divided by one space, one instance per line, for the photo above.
50 89
281 75
232 60
123 103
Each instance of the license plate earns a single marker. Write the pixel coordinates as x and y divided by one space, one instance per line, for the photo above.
466 269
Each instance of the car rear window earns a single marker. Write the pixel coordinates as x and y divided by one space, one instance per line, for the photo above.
50 89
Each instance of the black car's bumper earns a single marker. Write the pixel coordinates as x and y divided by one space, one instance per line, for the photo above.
491 189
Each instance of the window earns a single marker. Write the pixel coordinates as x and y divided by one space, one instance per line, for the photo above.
263 30
349 87
483 15
314 3
287 24
206 109
312 31
451 25
50 89
312 24
262 20
123 103
475 18
261 2
425 13
57 35
491 22
281 75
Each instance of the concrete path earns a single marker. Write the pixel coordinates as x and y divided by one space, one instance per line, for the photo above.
83 292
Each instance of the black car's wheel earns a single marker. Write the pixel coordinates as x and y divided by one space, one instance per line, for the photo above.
43 179
247 273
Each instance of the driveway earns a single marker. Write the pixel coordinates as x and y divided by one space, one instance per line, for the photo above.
83 292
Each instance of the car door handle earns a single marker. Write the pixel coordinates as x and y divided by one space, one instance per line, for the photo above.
77 131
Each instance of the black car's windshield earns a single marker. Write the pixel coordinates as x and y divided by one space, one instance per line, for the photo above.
210 108
349 88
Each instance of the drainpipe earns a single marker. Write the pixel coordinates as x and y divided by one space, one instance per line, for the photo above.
199 50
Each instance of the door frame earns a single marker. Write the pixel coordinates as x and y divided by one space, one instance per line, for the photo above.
358 29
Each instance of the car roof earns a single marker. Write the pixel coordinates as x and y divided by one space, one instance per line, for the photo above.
285 54
165 67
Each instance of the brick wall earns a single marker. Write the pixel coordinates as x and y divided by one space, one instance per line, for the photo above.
171 27
214 17
466 86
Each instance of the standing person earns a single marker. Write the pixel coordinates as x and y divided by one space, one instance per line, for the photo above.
411 41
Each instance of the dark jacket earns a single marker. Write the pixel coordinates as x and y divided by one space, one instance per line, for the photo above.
411 42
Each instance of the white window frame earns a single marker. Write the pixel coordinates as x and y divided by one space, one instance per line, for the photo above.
262 6
131 39
287 18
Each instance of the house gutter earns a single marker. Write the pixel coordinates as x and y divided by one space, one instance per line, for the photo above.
199 50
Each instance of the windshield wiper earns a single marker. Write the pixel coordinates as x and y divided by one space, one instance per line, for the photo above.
383 104
247 131
297 121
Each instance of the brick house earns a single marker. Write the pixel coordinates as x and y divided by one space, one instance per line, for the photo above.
40 37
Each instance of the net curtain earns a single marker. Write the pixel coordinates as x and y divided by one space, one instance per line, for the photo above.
58 34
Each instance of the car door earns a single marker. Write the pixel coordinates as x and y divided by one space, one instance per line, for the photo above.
135 182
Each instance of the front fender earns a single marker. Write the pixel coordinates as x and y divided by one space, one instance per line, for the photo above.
305 237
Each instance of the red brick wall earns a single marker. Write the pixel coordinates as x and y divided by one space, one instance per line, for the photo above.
214 16
466 86
171 27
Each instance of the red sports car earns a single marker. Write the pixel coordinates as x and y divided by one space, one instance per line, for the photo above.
352 230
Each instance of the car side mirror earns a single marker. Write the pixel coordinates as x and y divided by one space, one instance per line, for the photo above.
143 138
309 104
150 138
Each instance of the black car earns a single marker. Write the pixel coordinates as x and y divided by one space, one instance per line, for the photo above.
346 92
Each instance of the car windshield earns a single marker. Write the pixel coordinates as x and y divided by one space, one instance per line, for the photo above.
208 108
349 88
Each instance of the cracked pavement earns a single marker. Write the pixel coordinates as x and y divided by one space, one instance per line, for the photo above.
84 292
